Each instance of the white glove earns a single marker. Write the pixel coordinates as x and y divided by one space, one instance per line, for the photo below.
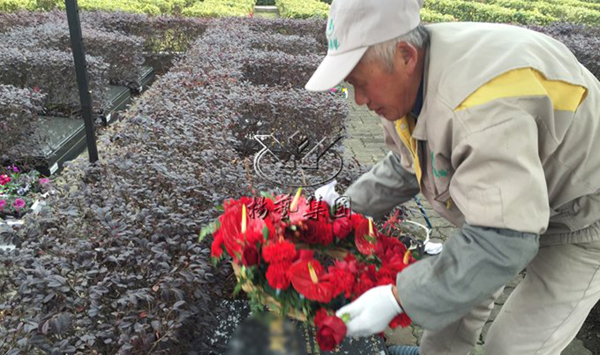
371 313
327 193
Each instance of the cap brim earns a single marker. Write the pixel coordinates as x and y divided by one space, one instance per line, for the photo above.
333 69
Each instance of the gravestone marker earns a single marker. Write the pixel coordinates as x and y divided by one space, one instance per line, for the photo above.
273 335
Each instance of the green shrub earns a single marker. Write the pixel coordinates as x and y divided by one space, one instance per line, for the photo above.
430 16
148 7
475 11
265 2
220 8
16 5
576 3
568 12
133 6
302 8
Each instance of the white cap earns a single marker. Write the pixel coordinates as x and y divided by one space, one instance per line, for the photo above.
353 26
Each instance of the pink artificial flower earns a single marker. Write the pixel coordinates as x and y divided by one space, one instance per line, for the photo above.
4 179
15 169
44 181
19 203
2 204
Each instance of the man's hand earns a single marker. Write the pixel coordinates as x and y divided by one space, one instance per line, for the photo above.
327 193
372 312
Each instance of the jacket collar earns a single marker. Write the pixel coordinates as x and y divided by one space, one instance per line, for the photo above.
420 103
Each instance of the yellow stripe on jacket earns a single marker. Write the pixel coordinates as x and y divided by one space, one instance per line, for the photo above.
527 82
405 127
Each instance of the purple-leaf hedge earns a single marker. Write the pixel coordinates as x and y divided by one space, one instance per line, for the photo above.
583 41
53 73
18 117
161 33
123 53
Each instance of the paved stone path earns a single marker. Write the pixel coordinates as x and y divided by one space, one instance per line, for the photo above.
365 142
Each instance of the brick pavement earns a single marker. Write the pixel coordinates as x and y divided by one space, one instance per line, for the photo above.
365 142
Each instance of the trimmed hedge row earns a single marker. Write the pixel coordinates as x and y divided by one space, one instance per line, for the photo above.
112 265
274 68
593 4
302 9
504 11
314 28
290 44
10 20
36 51
161 33
18 117
220 8
210 8
123 53
561 12
53 73
481 12
430 16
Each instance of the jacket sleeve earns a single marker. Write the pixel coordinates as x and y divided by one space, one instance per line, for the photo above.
385 186
475 263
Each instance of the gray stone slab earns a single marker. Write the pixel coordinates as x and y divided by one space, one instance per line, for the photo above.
400 336
576 348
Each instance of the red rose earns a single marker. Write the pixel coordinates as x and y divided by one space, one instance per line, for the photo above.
250 257
320 316
277 276
342 227
330 333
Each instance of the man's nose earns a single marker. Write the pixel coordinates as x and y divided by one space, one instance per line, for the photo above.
360 97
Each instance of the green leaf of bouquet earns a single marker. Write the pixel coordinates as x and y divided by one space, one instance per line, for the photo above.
265 233
237 289
370 239
209 229
268 195
220 208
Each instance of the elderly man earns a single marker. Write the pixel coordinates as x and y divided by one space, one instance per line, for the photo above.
498 127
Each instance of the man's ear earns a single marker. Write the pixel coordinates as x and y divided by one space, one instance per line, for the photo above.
407 54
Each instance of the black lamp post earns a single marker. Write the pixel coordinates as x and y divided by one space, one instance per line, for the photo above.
82 79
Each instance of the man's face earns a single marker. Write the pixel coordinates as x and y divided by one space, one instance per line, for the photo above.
389 95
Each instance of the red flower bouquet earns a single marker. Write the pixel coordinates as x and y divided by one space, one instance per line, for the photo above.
306 259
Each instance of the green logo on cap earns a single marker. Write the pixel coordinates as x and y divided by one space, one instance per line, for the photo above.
333 42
